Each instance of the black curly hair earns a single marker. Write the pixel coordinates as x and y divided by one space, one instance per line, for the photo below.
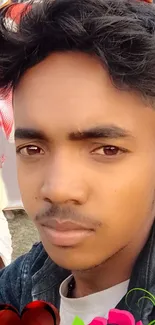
121 33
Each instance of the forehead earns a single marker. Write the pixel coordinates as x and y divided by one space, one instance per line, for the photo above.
72 91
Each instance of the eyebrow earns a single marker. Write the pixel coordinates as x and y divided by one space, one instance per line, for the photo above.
107 132
29 134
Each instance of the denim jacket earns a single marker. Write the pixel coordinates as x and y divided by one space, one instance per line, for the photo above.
35 276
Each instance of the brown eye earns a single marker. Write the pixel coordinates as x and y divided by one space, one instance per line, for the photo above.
108 151
30 151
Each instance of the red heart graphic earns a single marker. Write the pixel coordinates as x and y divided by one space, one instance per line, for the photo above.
35 313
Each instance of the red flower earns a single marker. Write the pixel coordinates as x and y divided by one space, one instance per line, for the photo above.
116 317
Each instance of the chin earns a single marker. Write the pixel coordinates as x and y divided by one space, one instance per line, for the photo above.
71 259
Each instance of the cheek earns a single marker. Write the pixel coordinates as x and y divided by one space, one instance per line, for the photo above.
124 200
29 183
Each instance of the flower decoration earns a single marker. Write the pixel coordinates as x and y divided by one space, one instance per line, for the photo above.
147 295
35 313
116 317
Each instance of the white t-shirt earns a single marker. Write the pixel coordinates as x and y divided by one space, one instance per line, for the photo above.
89 307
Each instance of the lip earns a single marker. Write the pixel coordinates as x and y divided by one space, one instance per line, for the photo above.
64 225
66 238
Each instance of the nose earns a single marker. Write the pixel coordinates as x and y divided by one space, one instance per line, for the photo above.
63 183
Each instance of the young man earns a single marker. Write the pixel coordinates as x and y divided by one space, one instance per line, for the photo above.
83 81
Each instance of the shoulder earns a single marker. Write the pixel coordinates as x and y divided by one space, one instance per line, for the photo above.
18 274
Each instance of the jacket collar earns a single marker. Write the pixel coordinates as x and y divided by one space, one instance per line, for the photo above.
46 282
142 278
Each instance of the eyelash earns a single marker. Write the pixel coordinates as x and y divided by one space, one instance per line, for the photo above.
114 149
18 150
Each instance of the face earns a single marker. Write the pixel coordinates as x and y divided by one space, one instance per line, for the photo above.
85 157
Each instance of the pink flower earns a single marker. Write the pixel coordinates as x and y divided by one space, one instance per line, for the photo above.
116 317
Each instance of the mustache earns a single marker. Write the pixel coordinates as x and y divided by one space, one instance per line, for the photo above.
66 213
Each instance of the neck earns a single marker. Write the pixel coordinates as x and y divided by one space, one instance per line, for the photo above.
109 273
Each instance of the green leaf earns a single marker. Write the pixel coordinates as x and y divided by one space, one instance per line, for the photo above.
150 296
152 323
145 297
78 321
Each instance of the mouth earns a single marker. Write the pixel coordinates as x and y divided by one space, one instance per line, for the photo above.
65 234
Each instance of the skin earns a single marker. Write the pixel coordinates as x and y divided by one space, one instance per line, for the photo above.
108 180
